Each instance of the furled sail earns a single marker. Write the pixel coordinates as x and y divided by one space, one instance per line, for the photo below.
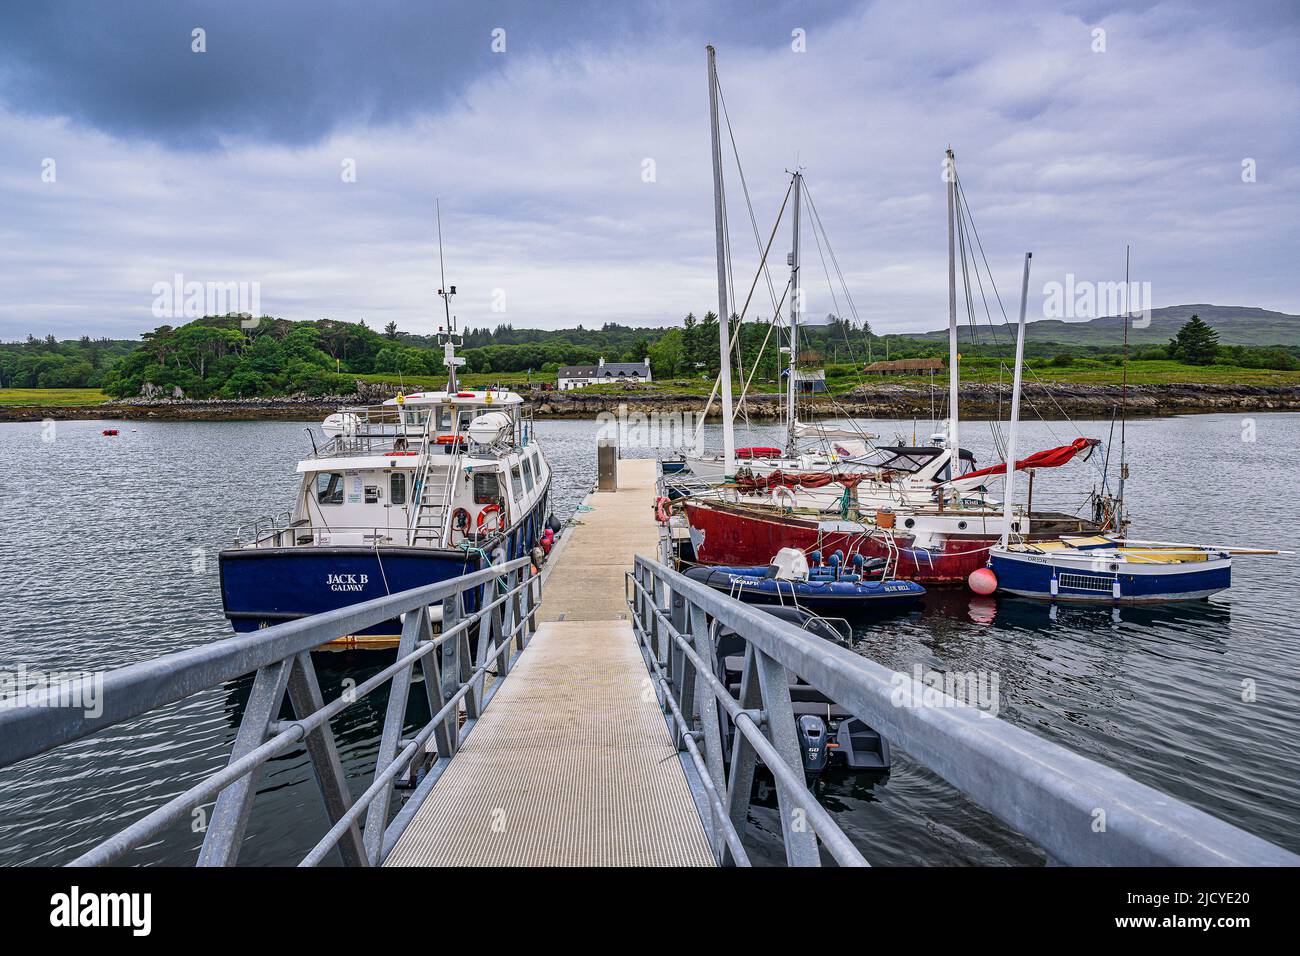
1049 458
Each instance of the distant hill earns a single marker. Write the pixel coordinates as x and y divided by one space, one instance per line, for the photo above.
1236 325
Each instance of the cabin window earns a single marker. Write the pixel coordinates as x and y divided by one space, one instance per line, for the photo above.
329 488
528 474
518 480
487 487
537 466
397 488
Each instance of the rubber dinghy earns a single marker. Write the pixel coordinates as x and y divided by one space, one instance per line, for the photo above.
789 581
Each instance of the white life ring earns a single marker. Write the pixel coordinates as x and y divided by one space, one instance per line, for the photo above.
784 497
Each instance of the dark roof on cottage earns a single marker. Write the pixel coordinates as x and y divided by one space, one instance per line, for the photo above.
608 370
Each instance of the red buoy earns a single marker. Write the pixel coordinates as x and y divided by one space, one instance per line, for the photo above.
983 581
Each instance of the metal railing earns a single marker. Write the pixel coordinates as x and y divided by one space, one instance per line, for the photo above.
1077 810
454 665
264 526
303 533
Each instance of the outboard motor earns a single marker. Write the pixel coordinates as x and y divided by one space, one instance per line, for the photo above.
812 741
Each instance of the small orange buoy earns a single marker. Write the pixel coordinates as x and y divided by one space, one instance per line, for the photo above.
983 581
110 431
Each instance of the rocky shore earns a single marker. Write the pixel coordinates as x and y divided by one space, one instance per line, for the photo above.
979 401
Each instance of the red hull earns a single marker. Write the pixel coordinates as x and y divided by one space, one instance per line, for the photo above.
733 537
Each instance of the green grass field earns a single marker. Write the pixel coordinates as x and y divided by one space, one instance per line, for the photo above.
56 397
1086 372
839 379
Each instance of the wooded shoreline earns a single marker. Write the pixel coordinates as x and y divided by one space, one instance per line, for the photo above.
978 401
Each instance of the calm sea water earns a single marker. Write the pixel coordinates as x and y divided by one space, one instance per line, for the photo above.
111 558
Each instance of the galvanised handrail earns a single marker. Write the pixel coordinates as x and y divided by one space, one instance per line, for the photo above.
1077 810
280 656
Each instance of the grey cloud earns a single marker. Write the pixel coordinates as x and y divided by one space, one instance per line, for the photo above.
538 161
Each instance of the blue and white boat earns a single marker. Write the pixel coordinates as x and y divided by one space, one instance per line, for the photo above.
789 582
1100 568
422 488
1105 570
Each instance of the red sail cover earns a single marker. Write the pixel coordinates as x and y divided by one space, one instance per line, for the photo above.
815 480
758 451
1051 458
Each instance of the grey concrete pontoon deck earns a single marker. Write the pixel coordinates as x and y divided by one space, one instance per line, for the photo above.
572 764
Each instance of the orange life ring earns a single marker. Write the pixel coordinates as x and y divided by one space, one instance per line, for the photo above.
661 510
490 509
449 439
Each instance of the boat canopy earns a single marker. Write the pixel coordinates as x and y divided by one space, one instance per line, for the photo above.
482 396
912 458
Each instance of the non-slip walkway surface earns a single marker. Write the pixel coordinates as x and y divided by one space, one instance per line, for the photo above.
571 764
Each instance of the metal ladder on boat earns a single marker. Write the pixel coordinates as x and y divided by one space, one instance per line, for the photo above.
435 484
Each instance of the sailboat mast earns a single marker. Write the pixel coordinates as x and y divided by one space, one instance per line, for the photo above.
1123 401
1015 407
792 390
950 171
724 313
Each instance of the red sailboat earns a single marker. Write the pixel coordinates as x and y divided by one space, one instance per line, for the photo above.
939 541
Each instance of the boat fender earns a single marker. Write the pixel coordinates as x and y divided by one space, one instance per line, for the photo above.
539 556
815 558
553 525
482 516
983 581
836 560
784 497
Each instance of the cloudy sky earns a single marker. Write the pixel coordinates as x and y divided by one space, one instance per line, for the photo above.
231 165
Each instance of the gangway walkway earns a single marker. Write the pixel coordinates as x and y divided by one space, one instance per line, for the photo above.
572 764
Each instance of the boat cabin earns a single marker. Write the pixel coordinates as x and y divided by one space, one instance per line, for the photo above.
431 469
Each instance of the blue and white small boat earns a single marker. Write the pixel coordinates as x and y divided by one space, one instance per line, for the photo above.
1099 568
789 581
1104 570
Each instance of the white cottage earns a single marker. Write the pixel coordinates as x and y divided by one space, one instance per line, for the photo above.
580 376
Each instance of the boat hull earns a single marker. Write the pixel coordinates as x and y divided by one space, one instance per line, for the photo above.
1032 576
261 587
267 586
838 596
734 537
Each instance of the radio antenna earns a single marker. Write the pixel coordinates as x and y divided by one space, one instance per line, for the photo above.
442 273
